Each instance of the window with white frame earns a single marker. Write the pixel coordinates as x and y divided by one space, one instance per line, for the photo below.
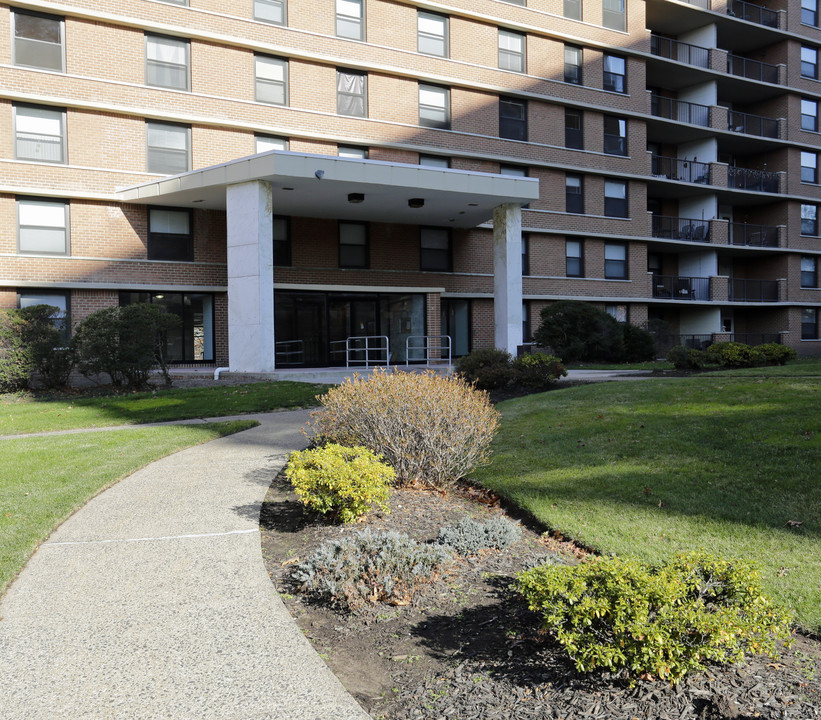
437 161
176 2
615 198
617 312
432 34
809 115
167 62
573 64
435 249
511 51
434 106
351 93
809 12
39 133
615 72
169 234
353 245
355 152
39 40
350 19
809 271
271 11
270 80
809 323
809 219
169 148
615 135
615 261
42 226
574 258
573 9
809 62
809 167
264 143
614 15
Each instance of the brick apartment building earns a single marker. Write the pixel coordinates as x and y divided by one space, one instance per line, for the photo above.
412 168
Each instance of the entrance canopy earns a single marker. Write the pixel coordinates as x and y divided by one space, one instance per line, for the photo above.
346 189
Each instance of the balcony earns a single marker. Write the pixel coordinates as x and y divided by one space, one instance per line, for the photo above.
757 180
741 122
676 287
680 110
742 290
680 51
678 169
757 338
753 235
753 13
677 228
752 69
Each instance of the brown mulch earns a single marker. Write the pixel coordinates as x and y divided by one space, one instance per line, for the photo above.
467 648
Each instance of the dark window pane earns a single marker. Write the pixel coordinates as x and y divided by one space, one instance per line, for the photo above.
512 119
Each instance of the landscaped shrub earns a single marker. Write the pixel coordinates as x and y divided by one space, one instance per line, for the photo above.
468 537
639 344
488 368
621 614
776 354
687 358
342 482
51 353
431 429
15 358
367 568
538 370
732 355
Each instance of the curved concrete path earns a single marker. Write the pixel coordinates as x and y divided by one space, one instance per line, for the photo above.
153 602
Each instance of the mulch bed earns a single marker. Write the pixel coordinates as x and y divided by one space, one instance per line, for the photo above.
467 648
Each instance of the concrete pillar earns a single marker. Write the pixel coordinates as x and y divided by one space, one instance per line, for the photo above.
507 276
250 277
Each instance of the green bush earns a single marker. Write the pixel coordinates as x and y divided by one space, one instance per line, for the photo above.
732 355
488 368
776 354
639 344
431 429
15 357
687 358
342 482
621 614
52 355
538 370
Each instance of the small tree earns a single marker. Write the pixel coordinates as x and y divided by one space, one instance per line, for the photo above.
15 358
51 355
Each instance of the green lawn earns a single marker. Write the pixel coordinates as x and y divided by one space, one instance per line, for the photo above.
44 480
27 414
800 367
654 467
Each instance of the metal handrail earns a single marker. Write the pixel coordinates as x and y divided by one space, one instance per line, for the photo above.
751 290
680 169
679 228
753 235
680 51
680 287
428 347
367 349
679 110
751 179
753 13
285 353
750 124
752 69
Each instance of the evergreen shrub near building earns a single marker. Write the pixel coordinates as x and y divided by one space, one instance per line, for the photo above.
730 355
492 369
15 359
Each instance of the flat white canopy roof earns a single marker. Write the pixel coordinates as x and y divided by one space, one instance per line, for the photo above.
319 185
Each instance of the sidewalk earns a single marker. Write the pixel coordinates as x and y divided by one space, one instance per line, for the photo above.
153 602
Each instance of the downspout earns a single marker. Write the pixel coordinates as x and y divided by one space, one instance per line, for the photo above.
218 371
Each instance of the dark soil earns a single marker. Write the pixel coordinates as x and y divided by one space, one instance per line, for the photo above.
467 648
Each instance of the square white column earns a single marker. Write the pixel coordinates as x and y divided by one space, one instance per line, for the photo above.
507 276
250 277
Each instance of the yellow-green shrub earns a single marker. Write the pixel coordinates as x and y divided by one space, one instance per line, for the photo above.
343 482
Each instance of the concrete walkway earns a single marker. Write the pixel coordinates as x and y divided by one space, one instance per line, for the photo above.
153 601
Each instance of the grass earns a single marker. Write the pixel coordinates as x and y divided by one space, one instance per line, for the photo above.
44 480
800 367
27 414
648 365
656 467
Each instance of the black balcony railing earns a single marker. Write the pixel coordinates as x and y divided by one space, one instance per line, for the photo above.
676 287
749 124
748 179
753 235
680 51
677 228
679 169
752 13
680 110
757 338
752 69
742 290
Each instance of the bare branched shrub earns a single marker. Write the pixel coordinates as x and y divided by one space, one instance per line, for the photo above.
432 429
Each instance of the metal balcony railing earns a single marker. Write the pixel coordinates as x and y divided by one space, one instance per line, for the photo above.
753 13
743 290
749 124
757 338
676 287
680 51
680 110
748 179
753 235
752 69
677 228
680 169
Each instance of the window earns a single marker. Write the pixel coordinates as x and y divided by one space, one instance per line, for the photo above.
169 234
615 198
38 40
574 262
351 93
809 167
350 15
809 272
527 335
615 69
166 62
39 134
512 119
516 2
270 80
574 195
573 9
573 64
432 34
511 51
613 15
176 2
434 106
264 143
270 11
42 226
525 254
573 134
809 323
59 319
615 135
617 312
434 161
809 220
809 62
282 242
352 151
809 12
169 148
809 114
353 245
434 249
615 261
